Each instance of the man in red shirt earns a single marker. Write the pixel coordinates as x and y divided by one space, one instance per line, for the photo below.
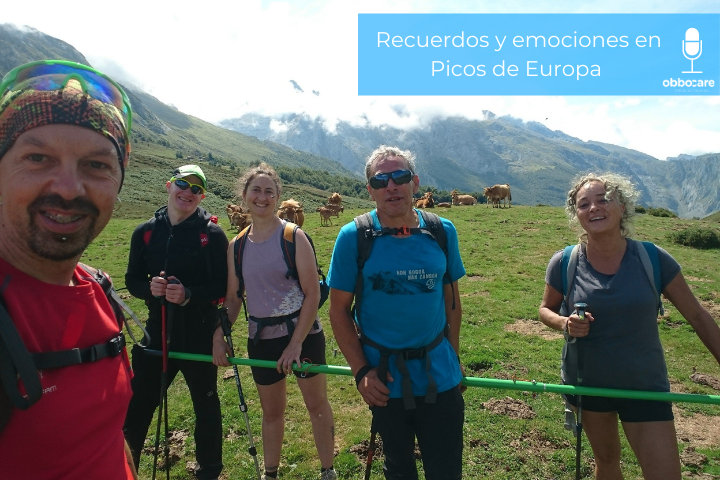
64 146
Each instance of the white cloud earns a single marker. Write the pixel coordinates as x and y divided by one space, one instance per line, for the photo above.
277 126
220 59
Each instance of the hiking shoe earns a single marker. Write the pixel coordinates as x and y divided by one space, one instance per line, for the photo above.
328 474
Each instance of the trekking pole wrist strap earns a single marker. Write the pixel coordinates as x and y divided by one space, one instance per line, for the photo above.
361 374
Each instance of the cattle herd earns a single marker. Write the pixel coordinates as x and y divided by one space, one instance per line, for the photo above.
292 210
494 195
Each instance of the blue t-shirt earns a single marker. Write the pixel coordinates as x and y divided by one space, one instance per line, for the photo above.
402 300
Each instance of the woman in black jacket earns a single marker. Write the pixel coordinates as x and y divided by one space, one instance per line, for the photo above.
179 254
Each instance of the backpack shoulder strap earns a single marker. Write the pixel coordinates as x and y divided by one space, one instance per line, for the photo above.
118 305
205 231
568 265
650 260
434 225
106 284
16 361
287 245
148 230
238 250
365 237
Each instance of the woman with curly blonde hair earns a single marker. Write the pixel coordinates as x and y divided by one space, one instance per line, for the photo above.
617 344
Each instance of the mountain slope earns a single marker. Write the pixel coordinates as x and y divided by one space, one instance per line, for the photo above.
164 137
537 162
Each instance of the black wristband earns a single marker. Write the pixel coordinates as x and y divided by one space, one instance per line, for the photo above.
188 294
361 374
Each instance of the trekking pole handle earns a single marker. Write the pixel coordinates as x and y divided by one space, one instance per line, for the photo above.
224 321
580 307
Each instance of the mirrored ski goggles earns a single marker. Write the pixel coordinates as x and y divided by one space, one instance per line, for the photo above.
184 185
399 177
50 75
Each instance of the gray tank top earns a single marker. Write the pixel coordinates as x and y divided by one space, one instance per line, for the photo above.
623 348
269 293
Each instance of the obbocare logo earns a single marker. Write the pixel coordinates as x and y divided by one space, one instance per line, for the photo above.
692 50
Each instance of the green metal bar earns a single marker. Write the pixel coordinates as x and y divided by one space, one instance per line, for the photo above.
533 386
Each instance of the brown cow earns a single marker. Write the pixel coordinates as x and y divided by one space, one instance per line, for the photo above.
426 201
292 211
444 205
336 209
240 220
230 209
498 193
458 199
325 214
335 199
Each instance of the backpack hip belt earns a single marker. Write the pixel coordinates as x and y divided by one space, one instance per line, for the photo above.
272 321
403 354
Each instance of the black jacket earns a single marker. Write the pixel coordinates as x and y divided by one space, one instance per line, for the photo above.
180 251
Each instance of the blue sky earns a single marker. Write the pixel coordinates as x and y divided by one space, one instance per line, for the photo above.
221 59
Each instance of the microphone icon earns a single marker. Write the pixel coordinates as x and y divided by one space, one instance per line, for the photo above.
692 47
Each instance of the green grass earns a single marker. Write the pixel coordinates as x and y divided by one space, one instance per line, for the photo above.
505 252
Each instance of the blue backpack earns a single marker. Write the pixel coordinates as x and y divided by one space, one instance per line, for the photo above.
648 256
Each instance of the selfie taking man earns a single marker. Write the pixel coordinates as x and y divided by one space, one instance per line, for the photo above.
64 147
400 266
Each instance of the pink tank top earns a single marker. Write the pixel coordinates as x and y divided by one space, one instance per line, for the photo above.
269 293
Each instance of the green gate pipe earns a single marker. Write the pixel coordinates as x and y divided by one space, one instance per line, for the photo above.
533 386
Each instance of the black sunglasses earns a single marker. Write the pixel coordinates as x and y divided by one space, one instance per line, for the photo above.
184 185
400 177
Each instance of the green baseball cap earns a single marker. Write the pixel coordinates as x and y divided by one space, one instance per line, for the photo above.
187 170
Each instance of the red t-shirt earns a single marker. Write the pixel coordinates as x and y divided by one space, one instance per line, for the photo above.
75 430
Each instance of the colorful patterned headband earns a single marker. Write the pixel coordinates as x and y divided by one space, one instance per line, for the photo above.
62 93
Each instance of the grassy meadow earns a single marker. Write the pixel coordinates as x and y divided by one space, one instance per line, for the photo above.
505 252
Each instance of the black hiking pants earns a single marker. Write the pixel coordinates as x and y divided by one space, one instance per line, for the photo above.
201 379
439 431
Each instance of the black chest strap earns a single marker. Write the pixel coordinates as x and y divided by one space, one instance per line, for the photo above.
18 364
76 356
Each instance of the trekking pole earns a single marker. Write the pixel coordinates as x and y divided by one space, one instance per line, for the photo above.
225 325
580 308
382 375
163 407
371 448
163 390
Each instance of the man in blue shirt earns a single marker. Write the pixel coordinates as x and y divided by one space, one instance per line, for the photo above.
407 311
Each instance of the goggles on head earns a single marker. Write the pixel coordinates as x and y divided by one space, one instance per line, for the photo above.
184 185
399 177
50 75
